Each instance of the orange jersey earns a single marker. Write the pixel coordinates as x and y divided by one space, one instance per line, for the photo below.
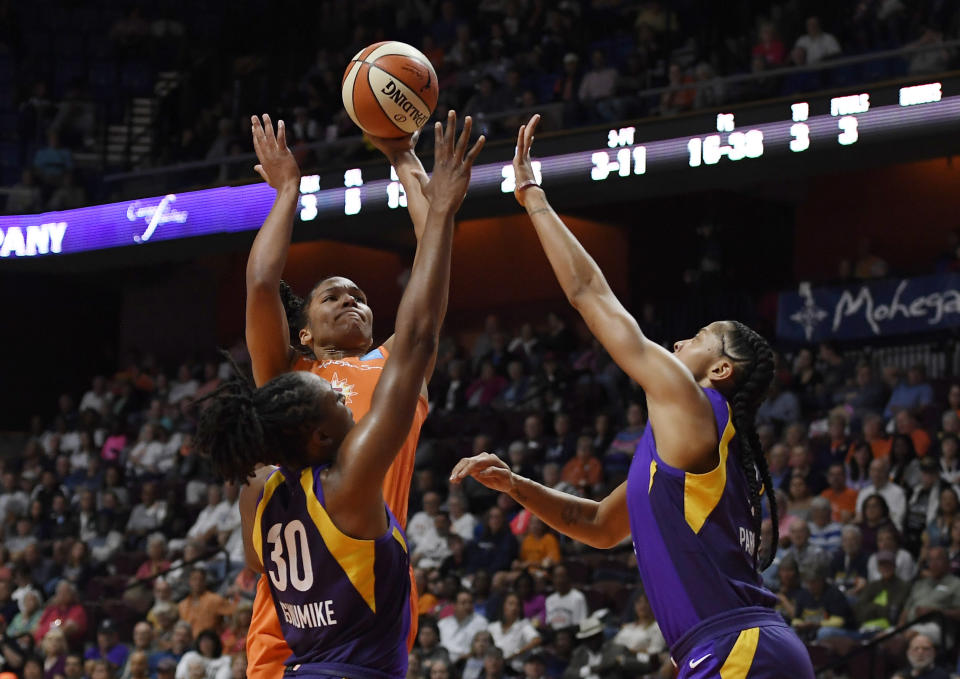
355 378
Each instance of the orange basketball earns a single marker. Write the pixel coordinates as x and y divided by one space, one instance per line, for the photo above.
390 89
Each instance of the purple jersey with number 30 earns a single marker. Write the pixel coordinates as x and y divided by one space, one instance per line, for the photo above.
343 603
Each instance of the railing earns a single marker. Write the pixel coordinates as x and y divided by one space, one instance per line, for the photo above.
230 169
870 646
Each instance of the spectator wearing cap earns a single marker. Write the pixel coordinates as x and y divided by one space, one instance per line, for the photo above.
824 532
202 608
888 540
912 394
28 617
924 500
108 647
922 658
892 494
879 605
587 656
209 654
820 607
65 612
842 498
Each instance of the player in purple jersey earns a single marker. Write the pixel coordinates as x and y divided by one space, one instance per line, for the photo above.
692 499
317 525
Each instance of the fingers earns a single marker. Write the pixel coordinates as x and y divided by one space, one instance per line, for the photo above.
437 141
520 141
450 132
281 135
463 140
268 129
475 151
260 171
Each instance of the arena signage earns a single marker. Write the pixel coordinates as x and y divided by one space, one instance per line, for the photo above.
874 309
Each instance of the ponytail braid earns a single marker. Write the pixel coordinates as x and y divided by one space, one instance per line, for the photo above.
755 371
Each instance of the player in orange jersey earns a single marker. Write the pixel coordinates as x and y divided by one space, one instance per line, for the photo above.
328 333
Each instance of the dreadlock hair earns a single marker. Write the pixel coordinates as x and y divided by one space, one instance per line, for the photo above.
295 307
752 380
242 426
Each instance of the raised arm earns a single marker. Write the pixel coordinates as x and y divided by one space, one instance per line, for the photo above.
268 335
353 488
669 385
598 524
402 156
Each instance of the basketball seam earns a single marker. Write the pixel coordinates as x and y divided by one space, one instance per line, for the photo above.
373 92
419 98
353 96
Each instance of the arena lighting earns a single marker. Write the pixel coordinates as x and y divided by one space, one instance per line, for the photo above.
799 128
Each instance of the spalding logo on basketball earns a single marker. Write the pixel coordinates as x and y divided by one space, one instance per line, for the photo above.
390 89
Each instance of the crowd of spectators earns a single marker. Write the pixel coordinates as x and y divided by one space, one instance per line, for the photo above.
579 61
122 554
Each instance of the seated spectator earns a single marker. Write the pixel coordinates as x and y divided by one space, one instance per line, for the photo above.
28 616
566 607
457 631
428 640
108 647
642 637
678 98
904 465
878 606
587 658
67 196
494 666
888 540
434 548
803 550
950 459
858 466
842 498
52 161
769 47
874 434
880 484
495 547
424 522
780 407
203 609
922 658
876 515
214 514
63 611
816 44
820 607
473 667
923 503
150 515
78 567
54 648
799 498
148 453
938 591
185 386
848 567
584 470
598 84
462 522
486 388
801 464
534 603
947 511
837 441
824 532
519 389
866 395
913 394
777 464
143 642
512 633
617 458
539 550
208 655
138 666
906 423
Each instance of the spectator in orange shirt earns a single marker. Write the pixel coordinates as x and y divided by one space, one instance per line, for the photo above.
202 608
875 436
907 424
539 550
584 471
843 500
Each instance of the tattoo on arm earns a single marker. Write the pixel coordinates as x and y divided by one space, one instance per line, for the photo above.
539 210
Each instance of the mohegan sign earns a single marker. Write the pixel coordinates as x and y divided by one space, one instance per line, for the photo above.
870 309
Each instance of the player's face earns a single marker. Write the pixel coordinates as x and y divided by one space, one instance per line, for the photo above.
337 417
338 317
703 354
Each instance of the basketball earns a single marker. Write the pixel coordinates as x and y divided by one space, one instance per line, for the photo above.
390 89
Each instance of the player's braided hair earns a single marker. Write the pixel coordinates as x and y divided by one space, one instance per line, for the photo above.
295 308
752 379
241 426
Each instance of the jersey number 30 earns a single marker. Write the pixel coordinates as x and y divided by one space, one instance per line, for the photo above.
295 538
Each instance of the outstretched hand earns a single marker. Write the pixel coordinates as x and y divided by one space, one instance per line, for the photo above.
488 469
277 165
523 173
394 147
452 164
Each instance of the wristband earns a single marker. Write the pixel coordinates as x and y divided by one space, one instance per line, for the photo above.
526 185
